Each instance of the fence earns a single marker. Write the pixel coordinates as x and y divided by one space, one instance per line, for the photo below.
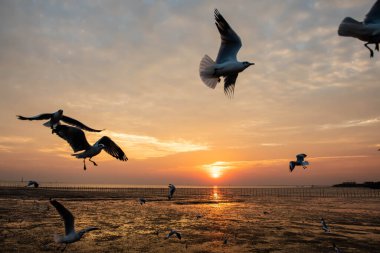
213 192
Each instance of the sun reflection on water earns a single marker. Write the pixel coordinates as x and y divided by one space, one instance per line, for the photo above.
215 193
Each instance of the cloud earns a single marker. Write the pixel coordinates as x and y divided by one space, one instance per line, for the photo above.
351 123
9 143
228 165
271 144
147 146
14 139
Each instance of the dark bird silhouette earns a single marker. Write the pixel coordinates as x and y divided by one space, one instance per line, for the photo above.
226 64
71 235
55 118
78 142
300 162
142 201
33 183
368 30
173 232
171 191
337 250
324 225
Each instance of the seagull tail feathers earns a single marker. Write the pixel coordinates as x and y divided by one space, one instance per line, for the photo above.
206 72
47 124
350 27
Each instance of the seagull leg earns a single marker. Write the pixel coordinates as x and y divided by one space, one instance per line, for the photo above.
377 47
93 162
370 50
84 164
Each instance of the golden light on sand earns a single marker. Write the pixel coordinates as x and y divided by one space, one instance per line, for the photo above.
215 192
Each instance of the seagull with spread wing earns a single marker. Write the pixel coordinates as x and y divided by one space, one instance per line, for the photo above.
78 142
300 162
226 64
55 118
71 235
368 30
324 225
173 232
171 191
33 183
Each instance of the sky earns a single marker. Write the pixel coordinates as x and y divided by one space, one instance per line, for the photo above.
132 68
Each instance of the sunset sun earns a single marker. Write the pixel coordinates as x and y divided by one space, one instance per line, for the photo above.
215 172
216 169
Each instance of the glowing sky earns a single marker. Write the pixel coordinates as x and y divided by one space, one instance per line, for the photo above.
131 67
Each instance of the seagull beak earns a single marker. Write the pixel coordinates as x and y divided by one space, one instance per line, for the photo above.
251 63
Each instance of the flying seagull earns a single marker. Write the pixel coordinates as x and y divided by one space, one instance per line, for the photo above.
324 225
33 183
70 234
78 142
55 118
171 191
173 232
226 64
300 162
368 30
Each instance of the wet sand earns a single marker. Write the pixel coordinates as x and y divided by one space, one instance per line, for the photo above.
250 224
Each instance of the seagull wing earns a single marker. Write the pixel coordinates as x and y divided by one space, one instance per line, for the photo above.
373 16
37 117
178 235
85 230
231 42
112 148
74 136
229 84
76 123
66 215
291 166
300 157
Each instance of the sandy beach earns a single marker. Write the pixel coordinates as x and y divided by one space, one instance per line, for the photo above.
250 224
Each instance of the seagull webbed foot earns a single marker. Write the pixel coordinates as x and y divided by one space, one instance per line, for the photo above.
93 162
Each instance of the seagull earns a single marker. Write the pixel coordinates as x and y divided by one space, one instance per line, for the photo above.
324 225
226 64
173 232
142 201
368 30
171 191
33 183
300 162
337 250
55 118
68 218
225 239
78 142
